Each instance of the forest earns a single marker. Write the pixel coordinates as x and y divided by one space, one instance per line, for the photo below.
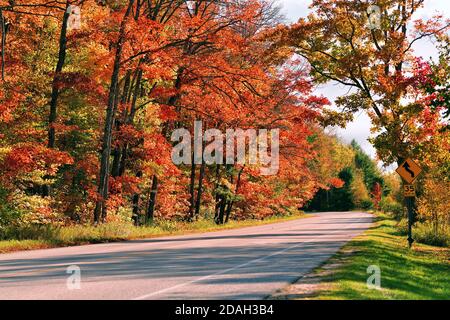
91 92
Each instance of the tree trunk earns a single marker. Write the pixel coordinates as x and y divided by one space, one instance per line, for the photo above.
100 208
123 160
216 209
192 189
136 207
55 89
222 206
115 170
137 93
130 120
3 43
152 200
200 188
55 85
230 203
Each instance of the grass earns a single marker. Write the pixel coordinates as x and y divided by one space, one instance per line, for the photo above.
112 232
424 233
420 273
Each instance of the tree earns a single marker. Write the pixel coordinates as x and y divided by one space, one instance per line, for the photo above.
369 168
437 86
90 112
377 193
341 46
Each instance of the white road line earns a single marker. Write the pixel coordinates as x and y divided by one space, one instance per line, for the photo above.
236 267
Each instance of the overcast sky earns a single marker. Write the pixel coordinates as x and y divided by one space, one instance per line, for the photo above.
360 128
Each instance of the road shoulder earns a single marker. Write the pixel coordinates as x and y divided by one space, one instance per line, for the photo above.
420 273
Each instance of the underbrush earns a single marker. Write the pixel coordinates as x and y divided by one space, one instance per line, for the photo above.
424 232
46 236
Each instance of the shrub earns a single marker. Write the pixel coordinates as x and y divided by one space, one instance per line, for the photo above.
426 233
433 206
390 206
8 213
366 204
28 232
402 227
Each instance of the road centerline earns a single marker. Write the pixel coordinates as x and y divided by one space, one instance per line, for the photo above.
143 297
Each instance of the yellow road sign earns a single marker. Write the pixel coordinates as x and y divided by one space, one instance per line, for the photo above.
409 191
409 171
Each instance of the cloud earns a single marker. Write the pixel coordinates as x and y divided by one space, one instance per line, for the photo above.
294 9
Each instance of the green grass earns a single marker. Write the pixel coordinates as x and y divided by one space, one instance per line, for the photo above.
424 233
32 238
420 273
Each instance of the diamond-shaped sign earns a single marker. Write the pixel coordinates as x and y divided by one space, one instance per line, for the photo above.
409 171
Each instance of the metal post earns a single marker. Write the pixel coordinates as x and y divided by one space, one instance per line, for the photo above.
409 203
409 171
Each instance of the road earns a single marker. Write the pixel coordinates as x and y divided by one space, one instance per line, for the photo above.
247 263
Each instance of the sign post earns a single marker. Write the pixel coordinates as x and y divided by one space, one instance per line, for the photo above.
409 171
409 204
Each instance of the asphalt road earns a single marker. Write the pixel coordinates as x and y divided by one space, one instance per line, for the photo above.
248 263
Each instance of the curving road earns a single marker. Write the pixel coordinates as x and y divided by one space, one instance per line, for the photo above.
248 263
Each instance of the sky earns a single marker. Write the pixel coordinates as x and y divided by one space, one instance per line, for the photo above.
359 129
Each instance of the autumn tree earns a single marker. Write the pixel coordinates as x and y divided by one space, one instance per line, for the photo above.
375 62
86 115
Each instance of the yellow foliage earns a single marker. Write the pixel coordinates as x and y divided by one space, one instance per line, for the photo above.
359 189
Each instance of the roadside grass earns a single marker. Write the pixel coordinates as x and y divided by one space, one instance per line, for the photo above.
420 273
425 233
113 232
